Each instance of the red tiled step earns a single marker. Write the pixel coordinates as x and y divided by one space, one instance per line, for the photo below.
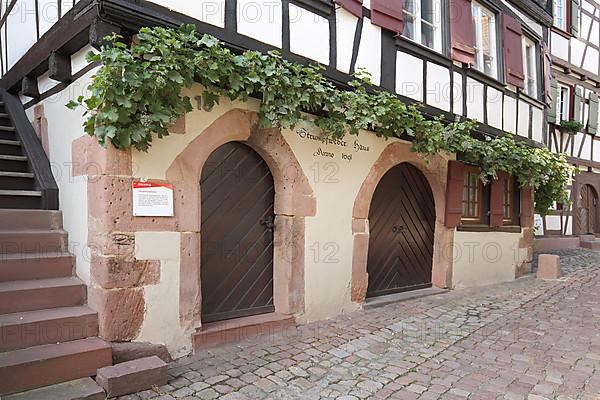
32 241
34 328
41 294
30 219
18 267
54 363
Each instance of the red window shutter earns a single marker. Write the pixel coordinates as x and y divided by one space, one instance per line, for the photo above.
462 34
454 190
387 14
513 51
546 62
527 207
497 201
352 6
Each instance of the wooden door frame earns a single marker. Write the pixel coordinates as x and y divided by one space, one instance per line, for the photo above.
584 178
294 200
435 172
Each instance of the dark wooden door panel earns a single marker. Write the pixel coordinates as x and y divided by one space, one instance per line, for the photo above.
236 234
587 205
402 224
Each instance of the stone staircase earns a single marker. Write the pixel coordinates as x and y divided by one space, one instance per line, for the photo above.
589 242
47 333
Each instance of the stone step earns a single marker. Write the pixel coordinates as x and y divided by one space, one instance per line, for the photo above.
55 325
21 267
15 220
32 241
20 199
587 238
13 163
79 389
133 376
45 365
17 180
41 294
12 147
590 244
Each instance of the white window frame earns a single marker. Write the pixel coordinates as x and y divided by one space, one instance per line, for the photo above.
416 15
560 14
564 102
478 11
530 67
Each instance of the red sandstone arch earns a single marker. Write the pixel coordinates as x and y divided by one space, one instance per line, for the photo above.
294 200
436 172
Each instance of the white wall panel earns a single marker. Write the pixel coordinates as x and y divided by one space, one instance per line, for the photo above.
510 114
369 51
309 34
494 107
409 76
559 46
438 86
457 87
259 19
577 48
475 99
596 149
523 122
213 11
345 27
537 128
21 29
48 14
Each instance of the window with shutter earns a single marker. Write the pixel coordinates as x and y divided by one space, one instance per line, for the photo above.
527 207
513 56
352 6
462 35
553 111
486 53
422 22
592 125
578 104
497 199
387 14
454 193
574 18
546 62
560 14
472 196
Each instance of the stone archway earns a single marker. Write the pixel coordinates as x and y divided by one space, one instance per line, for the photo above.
436 173
294 201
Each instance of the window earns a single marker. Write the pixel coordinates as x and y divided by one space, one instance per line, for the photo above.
560 14
471 198
508 203
564 103
484 24
530 67
422 23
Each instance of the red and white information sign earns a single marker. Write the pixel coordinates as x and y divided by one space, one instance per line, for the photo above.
152 199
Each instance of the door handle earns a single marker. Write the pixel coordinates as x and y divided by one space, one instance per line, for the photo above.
268 223
398 228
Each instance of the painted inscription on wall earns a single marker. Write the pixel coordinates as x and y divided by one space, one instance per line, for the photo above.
333 148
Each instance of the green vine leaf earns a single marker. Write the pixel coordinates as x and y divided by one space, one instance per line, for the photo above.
136 94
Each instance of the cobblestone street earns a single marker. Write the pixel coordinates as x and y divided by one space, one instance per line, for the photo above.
528 339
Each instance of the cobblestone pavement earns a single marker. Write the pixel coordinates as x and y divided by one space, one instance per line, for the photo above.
527 339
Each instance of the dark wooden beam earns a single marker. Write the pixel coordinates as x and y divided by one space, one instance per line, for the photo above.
99 31
29 87
59 67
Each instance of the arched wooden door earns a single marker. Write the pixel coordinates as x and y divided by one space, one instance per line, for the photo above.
402 224
236 266
587 205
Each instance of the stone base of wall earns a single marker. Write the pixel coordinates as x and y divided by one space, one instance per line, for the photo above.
542 245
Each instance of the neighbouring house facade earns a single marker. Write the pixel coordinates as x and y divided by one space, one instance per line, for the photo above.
574 52
286 223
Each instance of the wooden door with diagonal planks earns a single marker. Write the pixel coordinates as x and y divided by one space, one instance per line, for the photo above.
237 216
402 224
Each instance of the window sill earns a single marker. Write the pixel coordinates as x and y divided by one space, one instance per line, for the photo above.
481 76
562 33
421 51
531 99
487 228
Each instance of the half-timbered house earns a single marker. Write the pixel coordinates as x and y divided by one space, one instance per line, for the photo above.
270 227
574 49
